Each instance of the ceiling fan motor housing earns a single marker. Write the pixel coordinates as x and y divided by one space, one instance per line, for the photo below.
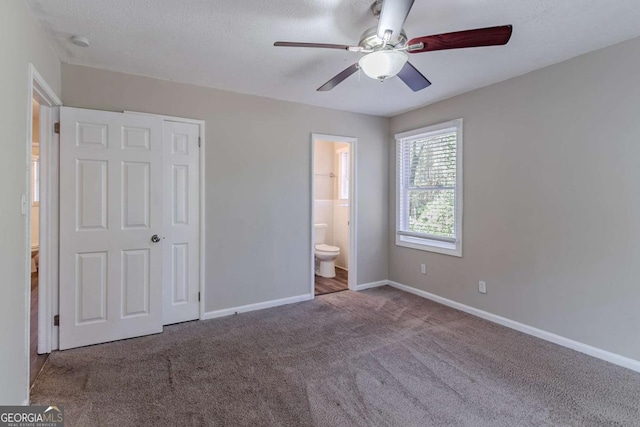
370 40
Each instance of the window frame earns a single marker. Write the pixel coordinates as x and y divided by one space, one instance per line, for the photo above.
35 180
341 174
422 241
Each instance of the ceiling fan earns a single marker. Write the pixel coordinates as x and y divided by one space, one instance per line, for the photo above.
386 45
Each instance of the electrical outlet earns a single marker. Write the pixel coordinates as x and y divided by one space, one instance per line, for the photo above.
423 268
482 287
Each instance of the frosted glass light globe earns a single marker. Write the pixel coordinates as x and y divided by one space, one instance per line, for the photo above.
383 63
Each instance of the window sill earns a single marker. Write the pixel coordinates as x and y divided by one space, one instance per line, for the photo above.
445 248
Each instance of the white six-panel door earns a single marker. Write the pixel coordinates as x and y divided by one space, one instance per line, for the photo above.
111 204
181 248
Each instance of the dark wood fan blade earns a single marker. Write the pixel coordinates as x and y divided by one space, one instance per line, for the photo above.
339 78
413 78
492 36
392 17
316 45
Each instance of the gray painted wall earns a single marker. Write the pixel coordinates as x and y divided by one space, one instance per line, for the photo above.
21 42
258 166
552 198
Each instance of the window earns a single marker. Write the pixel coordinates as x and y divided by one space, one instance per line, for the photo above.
429 191
35 181
343 173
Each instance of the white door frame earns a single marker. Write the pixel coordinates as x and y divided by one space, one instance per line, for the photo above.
353 187
38 88
203 193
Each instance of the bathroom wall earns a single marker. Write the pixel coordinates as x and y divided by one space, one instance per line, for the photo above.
324 186
328 208
340 213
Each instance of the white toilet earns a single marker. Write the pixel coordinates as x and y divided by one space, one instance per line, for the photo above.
325 254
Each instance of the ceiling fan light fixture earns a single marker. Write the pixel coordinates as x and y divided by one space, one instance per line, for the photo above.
383 63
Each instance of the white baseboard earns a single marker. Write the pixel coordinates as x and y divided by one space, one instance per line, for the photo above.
257 306
370 285
598 353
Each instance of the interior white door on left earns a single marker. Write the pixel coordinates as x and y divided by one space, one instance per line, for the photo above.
111 207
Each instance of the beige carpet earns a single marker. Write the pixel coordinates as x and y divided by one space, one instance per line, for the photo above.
380 357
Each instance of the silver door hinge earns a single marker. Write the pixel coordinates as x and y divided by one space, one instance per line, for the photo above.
199 142
56 127
198 296
56 320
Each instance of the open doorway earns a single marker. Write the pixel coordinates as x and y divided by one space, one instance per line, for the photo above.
40 207
36 360
333 227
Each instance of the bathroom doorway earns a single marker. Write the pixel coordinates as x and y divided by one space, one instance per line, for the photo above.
333 214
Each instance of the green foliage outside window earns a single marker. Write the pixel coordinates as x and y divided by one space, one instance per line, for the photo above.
431 185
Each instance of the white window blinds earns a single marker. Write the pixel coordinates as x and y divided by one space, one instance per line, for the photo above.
429 186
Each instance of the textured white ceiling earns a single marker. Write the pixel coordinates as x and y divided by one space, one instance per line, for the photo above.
228 44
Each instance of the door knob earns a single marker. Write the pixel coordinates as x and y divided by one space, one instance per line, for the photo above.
155 238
